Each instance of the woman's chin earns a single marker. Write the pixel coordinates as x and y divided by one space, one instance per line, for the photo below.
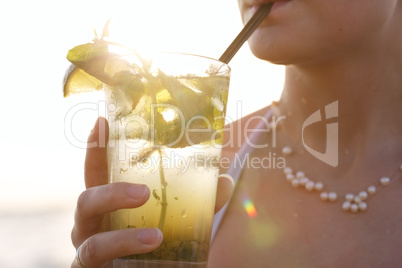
263 47
284 51
270 54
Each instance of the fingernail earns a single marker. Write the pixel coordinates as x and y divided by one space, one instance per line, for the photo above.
228 177
137 191
149 236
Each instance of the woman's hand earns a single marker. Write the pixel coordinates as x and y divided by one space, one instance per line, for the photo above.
98 245
91 231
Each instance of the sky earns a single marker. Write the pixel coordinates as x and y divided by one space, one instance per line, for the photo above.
41 167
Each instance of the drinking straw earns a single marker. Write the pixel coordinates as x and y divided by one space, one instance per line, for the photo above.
242 37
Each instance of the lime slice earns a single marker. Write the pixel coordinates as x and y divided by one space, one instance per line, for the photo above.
87 72
77 80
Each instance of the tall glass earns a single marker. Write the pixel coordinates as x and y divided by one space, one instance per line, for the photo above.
166 123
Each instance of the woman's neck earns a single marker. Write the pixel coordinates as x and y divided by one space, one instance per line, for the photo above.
366 97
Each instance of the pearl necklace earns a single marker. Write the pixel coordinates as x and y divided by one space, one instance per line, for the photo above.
353 203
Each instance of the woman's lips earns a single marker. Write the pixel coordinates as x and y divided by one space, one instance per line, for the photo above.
275 5
278 4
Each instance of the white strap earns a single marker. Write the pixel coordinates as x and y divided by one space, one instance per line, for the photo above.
235 169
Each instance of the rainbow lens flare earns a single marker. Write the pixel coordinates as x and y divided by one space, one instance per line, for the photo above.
250 208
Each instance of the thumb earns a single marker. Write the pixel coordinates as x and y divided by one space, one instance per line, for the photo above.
96 156
224 191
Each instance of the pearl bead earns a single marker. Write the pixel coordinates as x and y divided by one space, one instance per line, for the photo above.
357 199
290 177
309 186
384 181
349 197
362 206
287 150
304 181
363 195
371 189
299 174
332 196
346 205
324 196
354 208
287 170
295 183
318 186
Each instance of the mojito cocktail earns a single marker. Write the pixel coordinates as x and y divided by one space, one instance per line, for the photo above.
166 124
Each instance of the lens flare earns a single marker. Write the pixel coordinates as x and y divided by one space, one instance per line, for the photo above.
250 208
169 115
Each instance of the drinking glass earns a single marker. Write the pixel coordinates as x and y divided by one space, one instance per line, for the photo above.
166 116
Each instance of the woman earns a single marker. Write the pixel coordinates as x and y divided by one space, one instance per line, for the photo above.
343 58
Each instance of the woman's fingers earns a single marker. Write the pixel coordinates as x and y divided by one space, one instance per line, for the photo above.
224 191
97 246
96 157
104 247
95 202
